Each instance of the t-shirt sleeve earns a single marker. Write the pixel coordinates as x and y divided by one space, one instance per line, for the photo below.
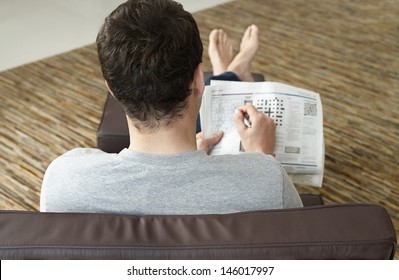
291 198
46 185
56 176
81 152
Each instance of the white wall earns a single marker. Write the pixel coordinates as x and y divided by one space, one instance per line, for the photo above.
31 30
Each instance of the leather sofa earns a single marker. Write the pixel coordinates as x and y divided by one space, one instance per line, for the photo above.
313 232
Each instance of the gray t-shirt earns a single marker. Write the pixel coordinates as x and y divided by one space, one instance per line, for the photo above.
89 180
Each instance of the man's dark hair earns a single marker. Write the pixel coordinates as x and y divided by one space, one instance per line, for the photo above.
149 50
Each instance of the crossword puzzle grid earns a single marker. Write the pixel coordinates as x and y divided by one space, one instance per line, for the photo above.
223 114
274 108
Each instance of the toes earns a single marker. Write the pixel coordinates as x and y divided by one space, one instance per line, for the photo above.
254 30
223 38
247 32
213 36
251 31
220 36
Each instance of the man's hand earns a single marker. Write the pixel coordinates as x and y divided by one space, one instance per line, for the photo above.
261 135
207 144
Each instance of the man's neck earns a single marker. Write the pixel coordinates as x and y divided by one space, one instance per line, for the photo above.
177 137
174 139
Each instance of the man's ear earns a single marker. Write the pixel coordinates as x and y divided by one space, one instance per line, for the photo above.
109 89
198 81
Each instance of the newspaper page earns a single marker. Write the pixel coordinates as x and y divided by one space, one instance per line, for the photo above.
297 113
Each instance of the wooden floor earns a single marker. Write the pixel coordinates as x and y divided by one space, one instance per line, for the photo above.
348 51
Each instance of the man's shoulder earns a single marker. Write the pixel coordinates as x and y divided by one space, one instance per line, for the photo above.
254 162
246 156
83 152
80 157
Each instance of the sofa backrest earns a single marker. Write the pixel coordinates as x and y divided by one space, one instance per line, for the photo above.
319 232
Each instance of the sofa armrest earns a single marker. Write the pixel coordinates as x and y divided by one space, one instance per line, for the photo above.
319 232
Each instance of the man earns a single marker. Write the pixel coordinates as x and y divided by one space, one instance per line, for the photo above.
150 54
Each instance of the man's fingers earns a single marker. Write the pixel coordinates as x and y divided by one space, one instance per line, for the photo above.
239 119
248 112
206 144
248 109
214 139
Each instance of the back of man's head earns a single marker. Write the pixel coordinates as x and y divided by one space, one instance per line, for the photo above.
149 50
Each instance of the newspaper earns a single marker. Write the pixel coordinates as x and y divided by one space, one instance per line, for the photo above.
297 113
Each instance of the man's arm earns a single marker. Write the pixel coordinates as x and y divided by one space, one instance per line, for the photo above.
291 198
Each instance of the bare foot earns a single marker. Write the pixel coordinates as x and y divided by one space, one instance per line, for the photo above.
241 64
220 51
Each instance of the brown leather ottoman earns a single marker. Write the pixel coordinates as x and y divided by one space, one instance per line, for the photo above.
113 133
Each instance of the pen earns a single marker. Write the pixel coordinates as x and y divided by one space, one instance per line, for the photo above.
247 123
